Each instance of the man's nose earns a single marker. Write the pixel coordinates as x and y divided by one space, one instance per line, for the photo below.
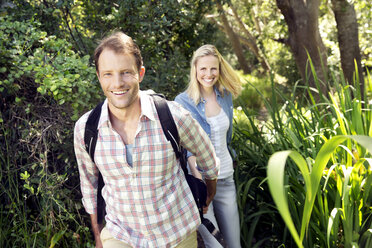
118 79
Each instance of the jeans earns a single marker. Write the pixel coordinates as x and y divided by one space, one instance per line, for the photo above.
223 213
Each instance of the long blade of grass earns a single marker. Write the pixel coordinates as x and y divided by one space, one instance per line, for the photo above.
275 174
334 214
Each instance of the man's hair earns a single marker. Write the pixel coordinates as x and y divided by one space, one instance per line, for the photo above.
119 43
228 79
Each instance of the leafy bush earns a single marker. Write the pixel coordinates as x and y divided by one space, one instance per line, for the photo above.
166 32
44 86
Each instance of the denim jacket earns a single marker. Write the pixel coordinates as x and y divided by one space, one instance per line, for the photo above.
198 112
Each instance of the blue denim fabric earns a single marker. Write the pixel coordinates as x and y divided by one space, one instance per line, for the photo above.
198 112
223 213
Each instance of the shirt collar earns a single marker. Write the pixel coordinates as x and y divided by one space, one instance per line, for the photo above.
147 105
218 94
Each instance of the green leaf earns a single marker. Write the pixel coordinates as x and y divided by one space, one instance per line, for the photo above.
275 174
25 175
56 237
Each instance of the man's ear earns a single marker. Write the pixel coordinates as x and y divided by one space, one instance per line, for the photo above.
97 72
142 73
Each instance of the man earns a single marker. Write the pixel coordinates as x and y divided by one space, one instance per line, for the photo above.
148 201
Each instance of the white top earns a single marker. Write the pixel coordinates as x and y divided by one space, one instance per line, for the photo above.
219 125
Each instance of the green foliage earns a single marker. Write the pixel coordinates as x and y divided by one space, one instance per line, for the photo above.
304 125
44 86
167 32
257 83
352 191
57 70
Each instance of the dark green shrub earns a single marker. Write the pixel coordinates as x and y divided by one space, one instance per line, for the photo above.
44 87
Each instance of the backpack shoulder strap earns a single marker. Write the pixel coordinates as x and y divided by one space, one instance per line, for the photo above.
170 129
90 140
167 123
91 131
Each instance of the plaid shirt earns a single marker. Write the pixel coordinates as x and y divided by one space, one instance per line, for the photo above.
148 204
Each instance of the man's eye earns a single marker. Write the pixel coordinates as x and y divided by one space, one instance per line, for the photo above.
107 74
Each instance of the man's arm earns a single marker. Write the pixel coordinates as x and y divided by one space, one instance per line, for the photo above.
96 228
192 164
211 191
88 180
211 184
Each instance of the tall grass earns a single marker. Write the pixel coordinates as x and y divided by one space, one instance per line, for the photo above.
327 208
352 192
40 205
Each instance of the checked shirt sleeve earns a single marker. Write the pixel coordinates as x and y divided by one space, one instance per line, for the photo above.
195 140
87 169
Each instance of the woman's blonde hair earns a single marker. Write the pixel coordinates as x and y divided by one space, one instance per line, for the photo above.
228 78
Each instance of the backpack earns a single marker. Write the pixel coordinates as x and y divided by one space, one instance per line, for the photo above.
197 186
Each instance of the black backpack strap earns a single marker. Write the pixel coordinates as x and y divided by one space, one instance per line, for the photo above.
214 231
167 122
91 131
90 140
170 129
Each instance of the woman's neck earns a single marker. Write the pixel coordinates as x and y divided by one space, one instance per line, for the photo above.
207 93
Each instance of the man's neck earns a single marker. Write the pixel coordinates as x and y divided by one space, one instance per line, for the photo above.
129 113
125 121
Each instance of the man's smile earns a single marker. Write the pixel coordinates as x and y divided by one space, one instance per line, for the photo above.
119 92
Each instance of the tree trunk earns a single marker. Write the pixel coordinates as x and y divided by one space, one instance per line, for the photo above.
301 17
234 40
347 34
252 44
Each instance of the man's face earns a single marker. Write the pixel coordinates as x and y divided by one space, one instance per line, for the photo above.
119 78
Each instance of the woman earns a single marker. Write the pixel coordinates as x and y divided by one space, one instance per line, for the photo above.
208 97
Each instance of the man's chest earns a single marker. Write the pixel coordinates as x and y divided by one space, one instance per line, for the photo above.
152 155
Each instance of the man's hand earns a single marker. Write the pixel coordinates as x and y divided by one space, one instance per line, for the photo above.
97 228
211 191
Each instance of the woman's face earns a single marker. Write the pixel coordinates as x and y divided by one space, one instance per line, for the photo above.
207 71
